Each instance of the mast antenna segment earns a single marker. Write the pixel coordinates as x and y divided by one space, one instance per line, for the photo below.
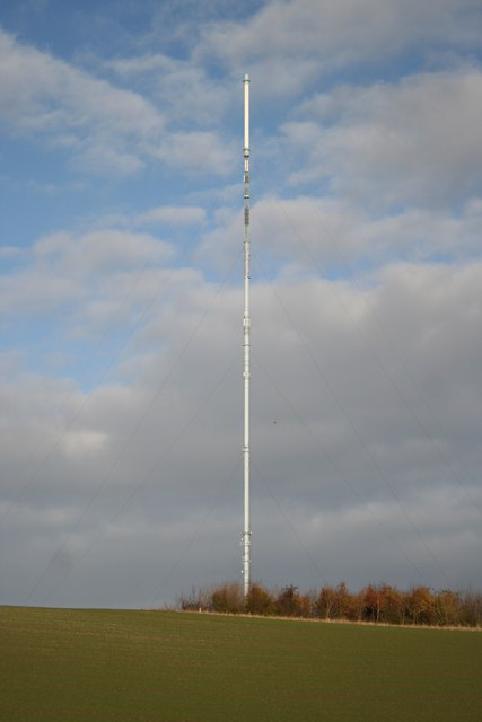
247 533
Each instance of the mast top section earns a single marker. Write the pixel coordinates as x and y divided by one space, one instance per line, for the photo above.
246 115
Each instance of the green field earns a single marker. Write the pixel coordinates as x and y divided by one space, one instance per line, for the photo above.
100 665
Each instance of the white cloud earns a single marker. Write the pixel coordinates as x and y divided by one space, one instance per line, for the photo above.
198 151
311 230
286 37
141 64
419 140
34 289
364 449
65 268
183 88
82 443
172 216
43 95
103 127
102 250
10 252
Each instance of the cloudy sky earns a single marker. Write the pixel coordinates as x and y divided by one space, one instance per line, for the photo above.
121 302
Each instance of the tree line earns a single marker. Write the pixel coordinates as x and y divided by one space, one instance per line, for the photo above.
376 603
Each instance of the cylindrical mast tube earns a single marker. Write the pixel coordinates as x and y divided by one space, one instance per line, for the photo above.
246 535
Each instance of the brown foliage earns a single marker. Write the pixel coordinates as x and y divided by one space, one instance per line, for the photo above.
421 606
325 603
375 603
227 598
287 603
259 601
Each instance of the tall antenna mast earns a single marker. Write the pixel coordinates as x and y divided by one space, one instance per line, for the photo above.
246 535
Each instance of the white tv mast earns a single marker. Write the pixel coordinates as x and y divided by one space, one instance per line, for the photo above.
247 533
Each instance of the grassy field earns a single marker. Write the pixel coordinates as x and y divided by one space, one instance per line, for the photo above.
62 665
